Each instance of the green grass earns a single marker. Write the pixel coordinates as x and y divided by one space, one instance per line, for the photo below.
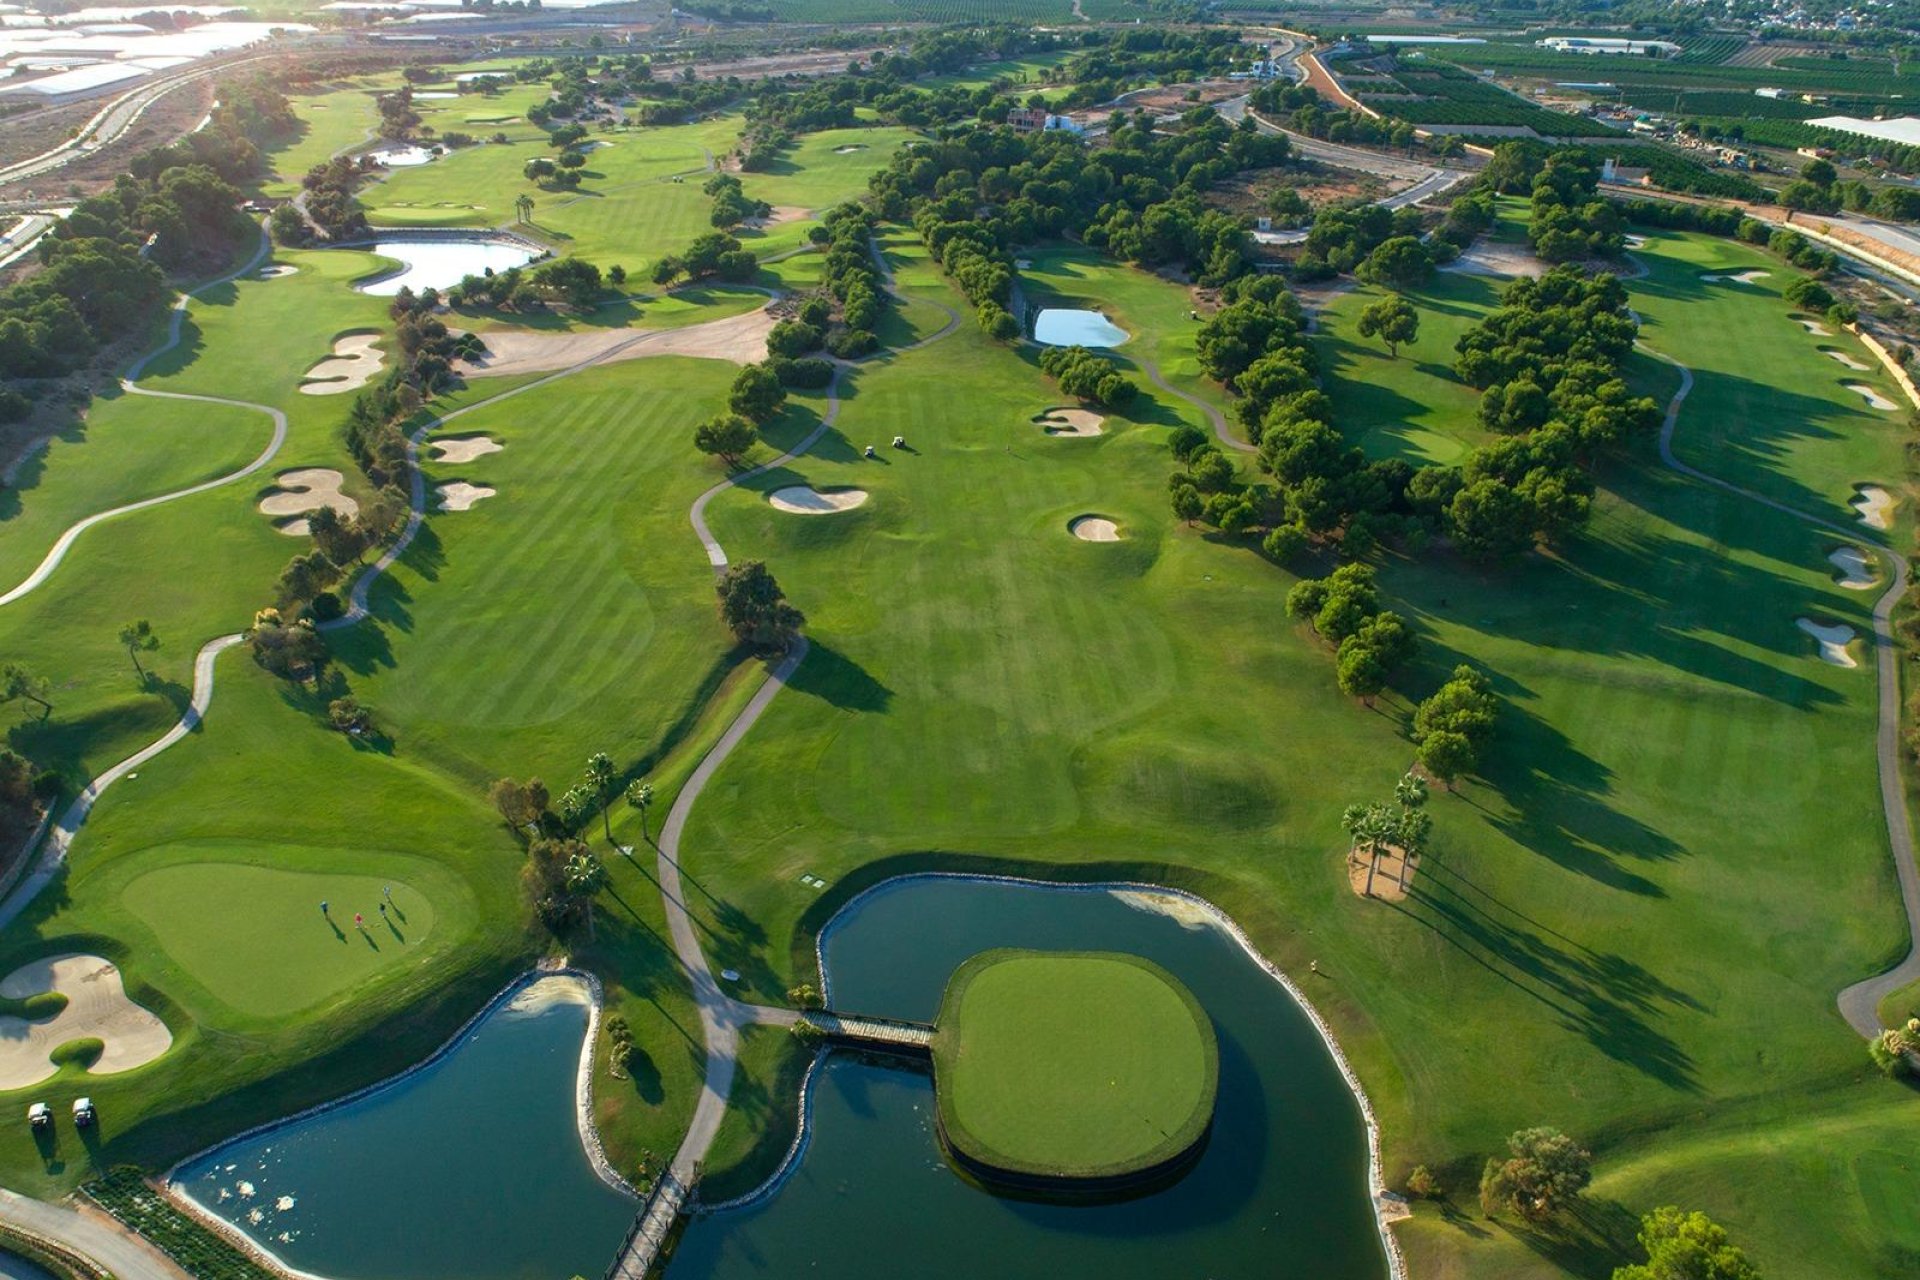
1075 1065
252 932
762 1116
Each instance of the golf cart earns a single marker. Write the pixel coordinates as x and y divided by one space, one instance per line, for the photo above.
82 1112
39 1116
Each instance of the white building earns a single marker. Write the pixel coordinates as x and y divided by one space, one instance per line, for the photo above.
1600 46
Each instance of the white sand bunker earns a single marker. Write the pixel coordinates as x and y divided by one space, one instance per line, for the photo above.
354 361
1844 359
1833 639
1875 506
1815 327
1489 258
308 489
458 449
1737 277
850 148
1856 570
460 496
275 272
1071 422
805 500
1094 529
98 1008
1874 399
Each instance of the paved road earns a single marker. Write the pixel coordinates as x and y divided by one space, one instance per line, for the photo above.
92 1235
1858 1003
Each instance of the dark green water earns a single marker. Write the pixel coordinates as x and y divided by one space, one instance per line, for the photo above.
14 1267
1279 1193
469 1170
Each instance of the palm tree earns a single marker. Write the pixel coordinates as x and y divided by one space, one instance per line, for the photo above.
640 796
586 875
1368 825
138 637
575 804
600 777
523 207
1414 824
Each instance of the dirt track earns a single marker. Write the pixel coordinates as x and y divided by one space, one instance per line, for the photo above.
741 339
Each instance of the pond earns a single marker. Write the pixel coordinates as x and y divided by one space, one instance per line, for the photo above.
440 264
1280 1190
402 157
1063 327
15 1267
469 1169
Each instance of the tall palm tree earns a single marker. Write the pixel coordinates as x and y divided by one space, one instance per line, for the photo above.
600 777
586 875
1369 825
640 796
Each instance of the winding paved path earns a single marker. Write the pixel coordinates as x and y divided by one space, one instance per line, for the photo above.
174 321
1858 1003
1212 411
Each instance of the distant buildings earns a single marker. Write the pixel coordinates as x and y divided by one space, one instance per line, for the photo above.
1599 46
1033 119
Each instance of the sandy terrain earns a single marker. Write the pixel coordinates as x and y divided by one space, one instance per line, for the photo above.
1071 422
307 489
354 361
97 1008
1845 359
804 500
458 495
459 449
1833 639
1388 872
1816 328
741 339
1856 571
1875 506
1094 529
1874 399
781 215
1484 258
1737 277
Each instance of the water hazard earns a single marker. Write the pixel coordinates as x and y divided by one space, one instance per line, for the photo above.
471 1169
1281 1190
1061 327
439 264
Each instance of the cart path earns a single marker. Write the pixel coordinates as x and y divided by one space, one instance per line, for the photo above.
1858 1003
92 1235
177 316
1217 418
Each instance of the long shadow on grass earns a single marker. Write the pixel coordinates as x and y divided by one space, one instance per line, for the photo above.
1603 996
833 677
1589 1239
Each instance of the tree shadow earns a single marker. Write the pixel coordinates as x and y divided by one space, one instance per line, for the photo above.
833 677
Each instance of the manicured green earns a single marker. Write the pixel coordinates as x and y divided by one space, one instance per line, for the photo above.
1072 1065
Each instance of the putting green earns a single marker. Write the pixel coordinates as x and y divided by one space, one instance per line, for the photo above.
255 938
1072 1065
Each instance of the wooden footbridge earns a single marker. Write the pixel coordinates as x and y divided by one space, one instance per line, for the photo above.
873 1033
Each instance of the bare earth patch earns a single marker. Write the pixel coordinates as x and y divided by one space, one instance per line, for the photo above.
1071 422
354 361
458 449
1874 399
458 495
1488 258
1833 639
98 1007
782 214
1094 529
1856 571
1875 506
307 489
741 339
1386 874
805 500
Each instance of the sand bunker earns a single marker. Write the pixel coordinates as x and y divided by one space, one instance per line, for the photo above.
274 273
1874 399
805 500
1875 506
1386 873
1844 359
1071 422
1486 258
1833 640
1737 277
354 361
741 339
1815 327
458 495
459 449
850 148
98 1008
1094 529
308 489
781 215
1856 570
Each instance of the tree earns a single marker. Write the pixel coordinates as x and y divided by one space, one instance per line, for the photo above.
756 610
756 394
515 802
1369 826
1490 521
16 683
1454 725
1397 263
138 638
1187 503
1393 319
728 436
640 796
600 776
586 875
348 716
1820 173
1543 1171
1687 1246
1447 755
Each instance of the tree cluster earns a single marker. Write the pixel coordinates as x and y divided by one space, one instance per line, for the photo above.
714 253
1089 377
1570 220
756 610
1687 1246
1344 609
731 204
1452 729
1343 236
1544 1170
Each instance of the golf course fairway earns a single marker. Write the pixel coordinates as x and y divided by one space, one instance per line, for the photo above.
1076 1067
